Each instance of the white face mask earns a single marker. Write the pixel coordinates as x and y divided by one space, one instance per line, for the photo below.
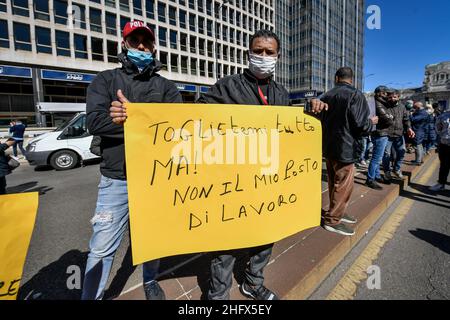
262 67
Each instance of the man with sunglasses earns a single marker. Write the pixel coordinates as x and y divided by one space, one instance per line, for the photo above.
255 86
135 81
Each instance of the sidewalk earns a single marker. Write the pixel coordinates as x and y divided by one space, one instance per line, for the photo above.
299 263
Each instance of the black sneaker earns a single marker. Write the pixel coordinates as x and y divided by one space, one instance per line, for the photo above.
373 185
349 219
260 293
153 291
340 228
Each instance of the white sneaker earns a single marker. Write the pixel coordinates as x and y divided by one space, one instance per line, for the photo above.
437 187
399 175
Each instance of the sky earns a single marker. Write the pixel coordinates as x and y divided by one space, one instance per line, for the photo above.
413 33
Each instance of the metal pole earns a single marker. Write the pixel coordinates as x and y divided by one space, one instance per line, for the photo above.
217 19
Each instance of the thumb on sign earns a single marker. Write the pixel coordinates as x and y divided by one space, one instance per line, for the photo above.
118 111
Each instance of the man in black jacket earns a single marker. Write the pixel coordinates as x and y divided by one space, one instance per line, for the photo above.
347 119
4 167
396 141
254 87
380 137
135 81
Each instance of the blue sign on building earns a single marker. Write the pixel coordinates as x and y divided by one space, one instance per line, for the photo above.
204 89
303 95
186 87
11 71
67 76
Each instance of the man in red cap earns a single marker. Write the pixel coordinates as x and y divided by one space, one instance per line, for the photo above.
135 81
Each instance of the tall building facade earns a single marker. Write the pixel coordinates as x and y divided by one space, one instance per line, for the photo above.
50 50
320 36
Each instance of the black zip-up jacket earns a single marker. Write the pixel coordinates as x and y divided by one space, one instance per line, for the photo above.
243 89
401 121
145 87
385 118
346 120
4 167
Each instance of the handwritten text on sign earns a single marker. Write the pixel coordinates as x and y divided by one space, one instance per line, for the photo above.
17 216
218 177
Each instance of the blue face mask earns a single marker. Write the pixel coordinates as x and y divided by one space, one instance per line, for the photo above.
141 59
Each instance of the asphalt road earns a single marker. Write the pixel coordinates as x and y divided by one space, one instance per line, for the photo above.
414 264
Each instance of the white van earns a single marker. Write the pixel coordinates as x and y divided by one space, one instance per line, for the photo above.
64 147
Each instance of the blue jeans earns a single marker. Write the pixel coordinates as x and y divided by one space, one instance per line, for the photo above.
109 224
398 144
379 145
366 146
19 143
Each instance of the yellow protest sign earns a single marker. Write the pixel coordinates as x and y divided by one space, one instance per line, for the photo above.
217 177
17 217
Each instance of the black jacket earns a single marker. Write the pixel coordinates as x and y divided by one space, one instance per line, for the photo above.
243 89
4 167
401 121
146 87
346 120
385 118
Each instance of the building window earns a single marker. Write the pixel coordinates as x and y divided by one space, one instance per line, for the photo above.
193 44
111 23
161 12
97 49
173 39
111 3
80 21
124 5
202 68
172 16
150 9
192 22
62 43
192 4
20 7
182 16
210 69
111 46
60 11
200 6
209 7
4 38
41 11
43 40
209 26
174 62
183 41
193 66
162 36
123 22
201 46
80 42
22 38
184 64
225 53
3 6
201 25
96 20
137 7
210 49
163 60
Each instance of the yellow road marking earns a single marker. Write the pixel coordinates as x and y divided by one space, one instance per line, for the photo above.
346 287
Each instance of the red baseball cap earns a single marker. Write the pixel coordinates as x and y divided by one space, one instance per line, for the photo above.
132 26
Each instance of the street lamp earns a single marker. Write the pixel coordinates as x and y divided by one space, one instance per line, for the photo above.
364 80
217 18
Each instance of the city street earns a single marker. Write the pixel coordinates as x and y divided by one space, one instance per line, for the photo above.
414 261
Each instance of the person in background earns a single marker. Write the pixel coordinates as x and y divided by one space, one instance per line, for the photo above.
430 138
395 148
380 137
409 142
17 129
4 167
419 120
346 121
443 132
